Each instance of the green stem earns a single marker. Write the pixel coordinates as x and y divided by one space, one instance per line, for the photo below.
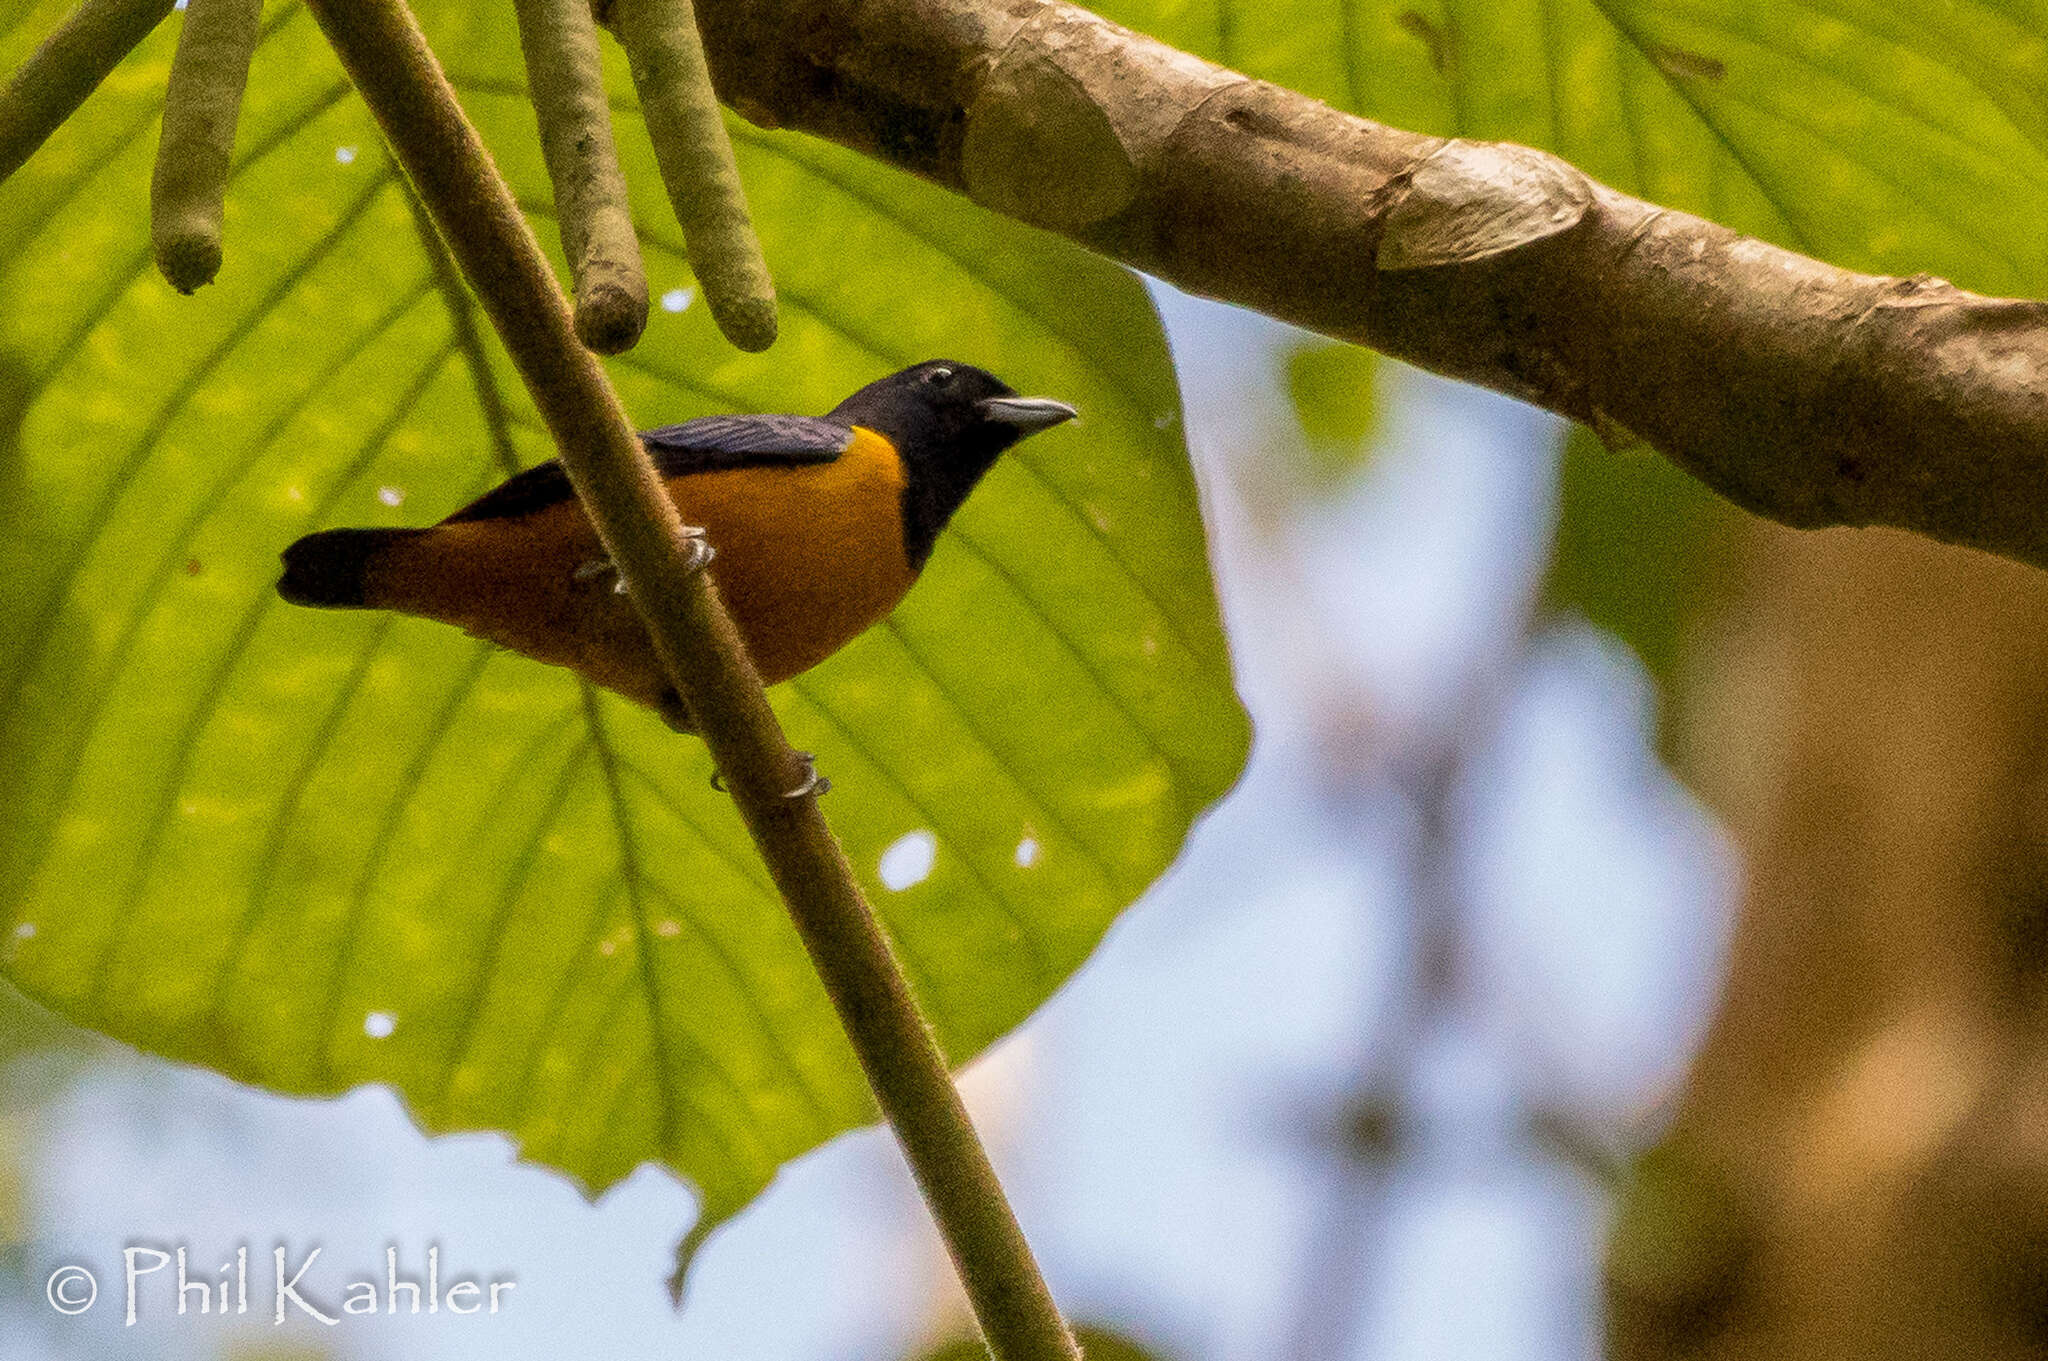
202 105
565 73
666 54
69 65
387 56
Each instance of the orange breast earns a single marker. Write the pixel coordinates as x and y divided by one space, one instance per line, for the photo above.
807 558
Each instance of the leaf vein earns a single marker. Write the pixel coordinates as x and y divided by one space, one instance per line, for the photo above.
151 841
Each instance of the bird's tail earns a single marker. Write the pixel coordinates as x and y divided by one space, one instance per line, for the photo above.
332 569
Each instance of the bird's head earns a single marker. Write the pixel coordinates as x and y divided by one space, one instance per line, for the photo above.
949 421
952 409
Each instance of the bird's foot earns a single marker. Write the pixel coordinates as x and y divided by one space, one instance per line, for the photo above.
697 550
813 782
597 569
697 555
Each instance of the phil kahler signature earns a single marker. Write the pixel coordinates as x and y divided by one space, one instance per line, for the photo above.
164 1282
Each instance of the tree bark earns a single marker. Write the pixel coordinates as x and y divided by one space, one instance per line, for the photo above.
1810 394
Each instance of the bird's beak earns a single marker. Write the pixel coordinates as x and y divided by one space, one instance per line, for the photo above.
1026 415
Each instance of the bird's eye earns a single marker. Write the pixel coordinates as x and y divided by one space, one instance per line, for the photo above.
939 377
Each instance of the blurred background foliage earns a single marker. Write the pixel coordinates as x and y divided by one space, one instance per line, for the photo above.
1331 386
1854 1168
1644 552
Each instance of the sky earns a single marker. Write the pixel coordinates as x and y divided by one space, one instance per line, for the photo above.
1165 1123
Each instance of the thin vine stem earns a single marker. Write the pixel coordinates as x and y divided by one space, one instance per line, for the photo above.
71 63
387 56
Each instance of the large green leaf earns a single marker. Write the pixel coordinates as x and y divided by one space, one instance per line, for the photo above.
315 850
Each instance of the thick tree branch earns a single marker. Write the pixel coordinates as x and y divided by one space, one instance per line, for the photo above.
389 61
1807 393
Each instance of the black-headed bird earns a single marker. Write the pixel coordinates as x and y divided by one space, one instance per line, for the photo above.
818 526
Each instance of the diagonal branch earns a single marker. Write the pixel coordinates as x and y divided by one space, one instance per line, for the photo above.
1807 393
387 57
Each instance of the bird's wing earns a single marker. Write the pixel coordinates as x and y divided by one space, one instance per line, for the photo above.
713 442
708 444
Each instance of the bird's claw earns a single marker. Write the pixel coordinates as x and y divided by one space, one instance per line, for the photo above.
595 570
813 782
697 555
697 550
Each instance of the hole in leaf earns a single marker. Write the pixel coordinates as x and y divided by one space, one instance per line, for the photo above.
908 862
379 1024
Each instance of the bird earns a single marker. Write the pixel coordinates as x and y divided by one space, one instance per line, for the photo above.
817 526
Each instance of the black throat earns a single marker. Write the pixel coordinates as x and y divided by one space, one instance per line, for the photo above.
936 485
932 414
